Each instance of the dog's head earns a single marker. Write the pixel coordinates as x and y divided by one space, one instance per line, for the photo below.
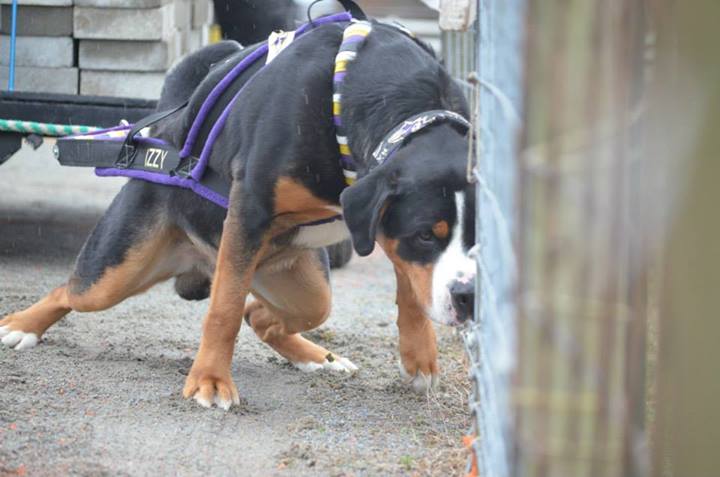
420 208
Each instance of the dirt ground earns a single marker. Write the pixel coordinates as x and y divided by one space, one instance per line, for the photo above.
100 395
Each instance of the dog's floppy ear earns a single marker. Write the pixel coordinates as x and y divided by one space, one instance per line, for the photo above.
362 205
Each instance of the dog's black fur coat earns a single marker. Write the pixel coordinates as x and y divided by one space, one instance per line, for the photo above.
281 126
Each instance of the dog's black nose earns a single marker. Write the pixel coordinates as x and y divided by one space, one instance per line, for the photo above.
462 295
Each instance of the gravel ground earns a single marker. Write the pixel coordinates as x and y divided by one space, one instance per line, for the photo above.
101 394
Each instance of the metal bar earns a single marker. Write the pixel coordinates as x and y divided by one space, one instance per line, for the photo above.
13 34
73 109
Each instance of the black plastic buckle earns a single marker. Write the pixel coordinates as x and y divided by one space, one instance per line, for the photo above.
184 169
127 156
128 151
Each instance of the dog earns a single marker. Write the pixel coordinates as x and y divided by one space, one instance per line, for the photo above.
279 151
251 21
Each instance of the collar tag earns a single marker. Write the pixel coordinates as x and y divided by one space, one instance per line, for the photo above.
277 42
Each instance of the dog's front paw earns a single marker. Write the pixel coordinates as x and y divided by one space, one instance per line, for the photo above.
14 336
420 378
418 357
208 389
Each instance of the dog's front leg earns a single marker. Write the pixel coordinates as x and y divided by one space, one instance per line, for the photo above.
210 380
418 346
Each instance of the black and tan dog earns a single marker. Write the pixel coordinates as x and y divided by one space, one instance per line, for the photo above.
279 150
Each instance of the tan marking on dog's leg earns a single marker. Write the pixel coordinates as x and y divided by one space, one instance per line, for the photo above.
418 344
23 329
295 205
154 260
290 301
143 266
210 380
293 197
270 328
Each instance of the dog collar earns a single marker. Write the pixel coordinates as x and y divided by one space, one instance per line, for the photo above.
397 136
353 38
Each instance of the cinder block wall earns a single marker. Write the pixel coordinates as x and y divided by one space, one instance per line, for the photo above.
100 47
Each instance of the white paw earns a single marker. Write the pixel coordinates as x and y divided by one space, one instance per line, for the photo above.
223 404
17 340
202 401
421 383
337 364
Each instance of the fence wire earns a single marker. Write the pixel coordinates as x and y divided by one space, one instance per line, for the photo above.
487 60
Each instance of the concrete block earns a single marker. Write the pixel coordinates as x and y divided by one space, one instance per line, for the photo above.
118 55
46 51
205 34
43 80
196 39
120 3
44 3
178 23
177 45
121 83
182 15
202 13
38 21
122 24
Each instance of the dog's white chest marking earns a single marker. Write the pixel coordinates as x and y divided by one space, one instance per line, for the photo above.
321 235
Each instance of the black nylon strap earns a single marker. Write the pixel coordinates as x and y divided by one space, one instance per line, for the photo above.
102 153
128 150
349 5
84 153
354 9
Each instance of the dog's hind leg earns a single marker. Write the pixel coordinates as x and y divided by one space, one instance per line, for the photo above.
153 260
23 329
125 255
292 297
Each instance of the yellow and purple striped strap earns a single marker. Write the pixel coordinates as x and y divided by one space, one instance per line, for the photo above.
353 37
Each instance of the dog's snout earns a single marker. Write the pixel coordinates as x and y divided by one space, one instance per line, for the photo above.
462 295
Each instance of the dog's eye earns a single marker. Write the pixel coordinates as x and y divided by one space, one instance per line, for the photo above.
426 237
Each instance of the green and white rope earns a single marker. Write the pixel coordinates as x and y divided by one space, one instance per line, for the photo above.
43 129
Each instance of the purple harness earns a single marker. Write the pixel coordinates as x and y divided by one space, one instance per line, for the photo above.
115 151
196 173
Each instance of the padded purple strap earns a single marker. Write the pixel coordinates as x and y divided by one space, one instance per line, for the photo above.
215 94
164 179
246 62
192 182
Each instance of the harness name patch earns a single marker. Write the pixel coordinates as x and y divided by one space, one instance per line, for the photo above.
155 158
